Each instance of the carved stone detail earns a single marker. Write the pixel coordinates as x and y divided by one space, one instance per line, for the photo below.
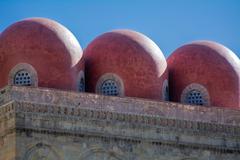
96 153
39 114
42 152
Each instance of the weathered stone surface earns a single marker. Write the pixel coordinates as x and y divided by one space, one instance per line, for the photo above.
50 124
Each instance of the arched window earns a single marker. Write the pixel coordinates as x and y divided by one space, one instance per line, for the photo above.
165 91
110 84
166 95
23 74
81 82
22 78
81 85
195 94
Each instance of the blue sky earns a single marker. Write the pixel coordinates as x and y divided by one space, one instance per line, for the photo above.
169 23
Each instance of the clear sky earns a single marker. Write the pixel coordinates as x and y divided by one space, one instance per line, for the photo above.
169 23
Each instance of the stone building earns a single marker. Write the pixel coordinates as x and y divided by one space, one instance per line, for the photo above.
118 99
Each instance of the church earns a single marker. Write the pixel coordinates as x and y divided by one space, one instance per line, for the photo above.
117 99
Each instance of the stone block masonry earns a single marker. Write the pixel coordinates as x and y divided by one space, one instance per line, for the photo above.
39 123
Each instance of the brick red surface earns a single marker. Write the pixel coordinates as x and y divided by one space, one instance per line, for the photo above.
210 64
45 44
132 56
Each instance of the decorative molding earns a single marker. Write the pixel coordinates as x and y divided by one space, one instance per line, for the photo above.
132 106
42 151
96 152
35 106
139 126
74 113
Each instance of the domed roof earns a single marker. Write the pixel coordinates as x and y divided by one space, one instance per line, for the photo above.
209 64
132 56
48 46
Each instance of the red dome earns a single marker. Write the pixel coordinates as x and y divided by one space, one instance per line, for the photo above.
50 48
131 57
207 64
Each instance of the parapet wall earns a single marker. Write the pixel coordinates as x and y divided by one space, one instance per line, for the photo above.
126 105
38 120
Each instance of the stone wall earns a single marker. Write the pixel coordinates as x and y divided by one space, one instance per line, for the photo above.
213 115
69 133
85 147
43 123
7 132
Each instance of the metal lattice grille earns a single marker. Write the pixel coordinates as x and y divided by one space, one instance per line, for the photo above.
110 88
195 97
22 78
